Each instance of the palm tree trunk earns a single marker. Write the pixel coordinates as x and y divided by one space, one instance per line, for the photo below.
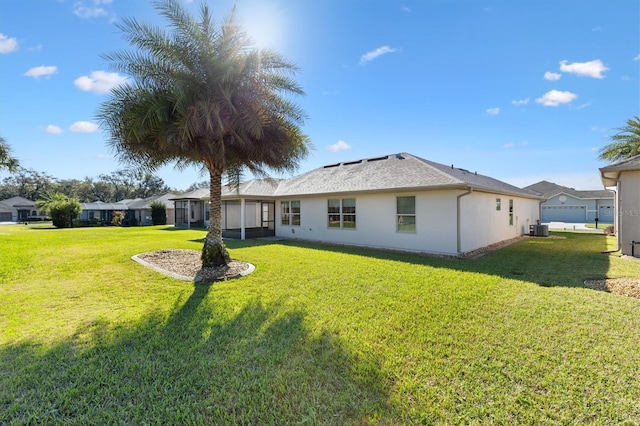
214 252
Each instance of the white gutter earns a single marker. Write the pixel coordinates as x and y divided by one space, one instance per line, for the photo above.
458 219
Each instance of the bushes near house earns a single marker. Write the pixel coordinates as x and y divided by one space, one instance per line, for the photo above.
158 213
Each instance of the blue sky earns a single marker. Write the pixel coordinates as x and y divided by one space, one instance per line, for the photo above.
517 90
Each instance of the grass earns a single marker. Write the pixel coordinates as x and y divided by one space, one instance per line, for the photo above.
318 334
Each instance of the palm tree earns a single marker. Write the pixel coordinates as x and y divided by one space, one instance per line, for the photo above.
6 160
201 94
626 143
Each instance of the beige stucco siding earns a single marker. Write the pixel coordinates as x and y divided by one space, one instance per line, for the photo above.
376 222
629 210
482 224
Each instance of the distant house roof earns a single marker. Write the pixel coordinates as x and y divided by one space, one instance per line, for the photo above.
145 204
393 172
99 205
611 173
18 202
549 190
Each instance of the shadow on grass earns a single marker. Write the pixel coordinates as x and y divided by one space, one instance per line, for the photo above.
197 365
566 259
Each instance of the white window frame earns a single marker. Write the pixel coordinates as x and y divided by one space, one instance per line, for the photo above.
400 216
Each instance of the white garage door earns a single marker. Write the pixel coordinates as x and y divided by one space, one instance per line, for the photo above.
564 213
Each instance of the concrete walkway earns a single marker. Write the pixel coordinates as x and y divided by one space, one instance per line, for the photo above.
566 226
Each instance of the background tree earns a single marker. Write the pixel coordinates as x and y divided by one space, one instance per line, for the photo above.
6 160
626 143
62 209
203 95
158 213
28 184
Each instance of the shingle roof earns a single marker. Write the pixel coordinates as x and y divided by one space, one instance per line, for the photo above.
550 190
252 188
609 174
395 172
145 204
19 202
99 205
391 173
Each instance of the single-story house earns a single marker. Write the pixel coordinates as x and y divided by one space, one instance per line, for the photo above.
18 209
569 205
624 176
139 210
397 201
99 211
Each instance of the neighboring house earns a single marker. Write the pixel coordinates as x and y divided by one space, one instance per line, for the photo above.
139 210
101 212
625 177
569 205
398 202
18 209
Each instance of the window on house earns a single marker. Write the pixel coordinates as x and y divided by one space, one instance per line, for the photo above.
510 212
498 204
349 213
333 210
290 213
341 213
295 213
406 214
285 212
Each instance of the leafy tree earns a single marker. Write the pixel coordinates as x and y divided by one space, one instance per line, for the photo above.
62 209
6 160
28 184
198 185
158 213
202 94
626 143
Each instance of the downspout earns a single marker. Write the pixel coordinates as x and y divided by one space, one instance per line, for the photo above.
459 219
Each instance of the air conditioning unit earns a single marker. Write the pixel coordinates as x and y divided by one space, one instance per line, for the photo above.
539 230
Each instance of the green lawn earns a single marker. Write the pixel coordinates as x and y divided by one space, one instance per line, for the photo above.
316 335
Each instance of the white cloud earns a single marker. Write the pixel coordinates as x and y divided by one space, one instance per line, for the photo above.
87 9
521 102
593 68
493 111
42 70
556 97
54 130
584 105
552 76
83 127
370 56
637 58
8 44
99 82
339 146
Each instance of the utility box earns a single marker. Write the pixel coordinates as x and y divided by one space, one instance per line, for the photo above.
539 230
